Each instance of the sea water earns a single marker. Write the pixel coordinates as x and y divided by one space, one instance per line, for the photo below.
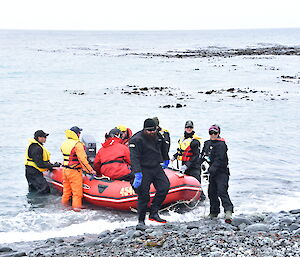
53 80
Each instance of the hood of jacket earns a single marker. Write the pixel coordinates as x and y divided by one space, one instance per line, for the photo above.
111 141
71 134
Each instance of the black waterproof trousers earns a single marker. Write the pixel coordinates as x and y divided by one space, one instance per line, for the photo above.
218 189
36 181
194 172
161 183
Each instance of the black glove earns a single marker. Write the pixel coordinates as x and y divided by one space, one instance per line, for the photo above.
56 165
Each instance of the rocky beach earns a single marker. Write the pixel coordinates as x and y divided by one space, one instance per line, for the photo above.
260 235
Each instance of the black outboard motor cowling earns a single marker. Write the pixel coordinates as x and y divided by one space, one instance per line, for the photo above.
91 148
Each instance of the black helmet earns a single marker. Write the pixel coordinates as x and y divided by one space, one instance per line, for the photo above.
115 133
188 124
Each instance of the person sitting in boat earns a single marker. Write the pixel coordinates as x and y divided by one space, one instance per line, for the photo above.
166 135
126 134
113 158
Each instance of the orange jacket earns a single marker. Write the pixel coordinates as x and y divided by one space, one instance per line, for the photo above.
74 153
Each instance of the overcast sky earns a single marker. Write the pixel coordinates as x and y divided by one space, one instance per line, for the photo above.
148 15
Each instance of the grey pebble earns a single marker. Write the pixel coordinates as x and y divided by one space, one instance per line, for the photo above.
257 227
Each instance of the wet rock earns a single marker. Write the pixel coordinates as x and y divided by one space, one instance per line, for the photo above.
15 254
74 92
5 249
137 233
286 221
297 231
237 221
104 234
296 211
257 227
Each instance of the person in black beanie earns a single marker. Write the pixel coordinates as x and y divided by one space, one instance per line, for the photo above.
147 150
37 160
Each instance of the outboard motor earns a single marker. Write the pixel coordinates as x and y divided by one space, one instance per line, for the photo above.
91 147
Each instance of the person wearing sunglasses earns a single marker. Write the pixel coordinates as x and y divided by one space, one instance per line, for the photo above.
214 152
147 150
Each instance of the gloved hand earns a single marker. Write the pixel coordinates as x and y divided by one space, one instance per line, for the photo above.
183 168
165 164
137 179
56 164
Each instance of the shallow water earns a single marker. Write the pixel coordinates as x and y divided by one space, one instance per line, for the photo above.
37 67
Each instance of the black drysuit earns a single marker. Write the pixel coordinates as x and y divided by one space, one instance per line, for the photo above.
36 181
215 152
146 154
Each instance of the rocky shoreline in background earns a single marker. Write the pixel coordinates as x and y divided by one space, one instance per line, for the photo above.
260 235
224 52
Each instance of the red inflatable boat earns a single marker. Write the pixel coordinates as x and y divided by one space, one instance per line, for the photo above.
120 195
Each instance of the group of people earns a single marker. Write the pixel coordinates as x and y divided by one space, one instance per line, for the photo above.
139 159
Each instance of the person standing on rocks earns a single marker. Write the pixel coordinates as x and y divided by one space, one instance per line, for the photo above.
37 160
214 153
147 150
75 161
166 135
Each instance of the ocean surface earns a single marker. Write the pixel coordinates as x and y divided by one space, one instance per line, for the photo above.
53 80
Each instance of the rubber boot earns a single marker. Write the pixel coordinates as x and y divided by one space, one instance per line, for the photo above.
155 217
141 226
228 217
212 215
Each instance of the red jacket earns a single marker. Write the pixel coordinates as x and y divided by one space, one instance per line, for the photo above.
113 159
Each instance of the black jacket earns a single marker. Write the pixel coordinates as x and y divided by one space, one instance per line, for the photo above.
147 153
215 153
166 136
36 153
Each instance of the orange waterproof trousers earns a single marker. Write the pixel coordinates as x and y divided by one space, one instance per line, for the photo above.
72 182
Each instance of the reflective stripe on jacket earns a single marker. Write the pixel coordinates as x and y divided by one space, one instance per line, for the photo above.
30 162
